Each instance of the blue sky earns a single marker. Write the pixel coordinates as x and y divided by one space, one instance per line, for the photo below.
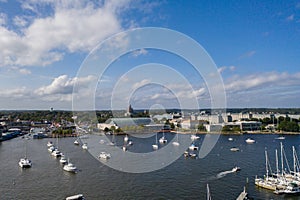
254 44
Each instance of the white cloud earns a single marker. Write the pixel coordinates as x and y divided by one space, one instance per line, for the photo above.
248 54
73 26
267 79
224 68
63 85
20 21
14 93
141 84
139 52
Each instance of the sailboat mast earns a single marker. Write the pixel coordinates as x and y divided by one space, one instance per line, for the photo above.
294 159
281 152
267 171
277 170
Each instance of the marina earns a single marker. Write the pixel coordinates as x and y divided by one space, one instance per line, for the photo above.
186 177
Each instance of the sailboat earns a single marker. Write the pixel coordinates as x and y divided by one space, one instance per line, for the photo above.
84 146
56 153
76 142
155 146
70 167
25 162
126 138
163 139
176 143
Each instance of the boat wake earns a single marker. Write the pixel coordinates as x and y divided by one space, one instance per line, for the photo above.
222 174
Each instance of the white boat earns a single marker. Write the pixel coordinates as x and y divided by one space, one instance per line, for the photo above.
230 139
124 148
234 149
155 146
250 141
63 160
56 153
76 197
194 137
49 144
126 138
193 147
76 142
280 138
51 149
292 188
130 143
25 163
176 143
70 167
104 155
84 146
235 169
163 140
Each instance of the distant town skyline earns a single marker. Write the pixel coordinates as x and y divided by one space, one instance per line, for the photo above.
254 44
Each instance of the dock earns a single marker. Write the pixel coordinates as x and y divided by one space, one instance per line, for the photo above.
243 195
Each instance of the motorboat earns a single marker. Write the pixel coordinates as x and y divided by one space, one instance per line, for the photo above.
193 147
51 149
175 143
234 149
84 146
70 168
25 163
235 169
230 139
124 148
49 144
194 137
76 142
163 140
56 153
280 138
130 143
250 141
126 138
155 146
76 197
104 155
193 155
63 160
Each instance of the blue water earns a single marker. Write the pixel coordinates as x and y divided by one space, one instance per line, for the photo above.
183 179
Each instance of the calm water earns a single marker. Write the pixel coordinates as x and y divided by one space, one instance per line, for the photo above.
183 179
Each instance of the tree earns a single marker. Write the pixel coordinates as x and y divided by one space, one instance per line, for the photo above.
201 127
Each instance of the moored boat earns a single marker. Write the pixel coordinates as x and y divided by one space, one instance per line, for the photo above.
250 141
25 163
104 155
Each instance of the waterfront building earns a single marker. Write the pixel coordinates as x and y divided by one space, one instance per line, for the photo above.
125 122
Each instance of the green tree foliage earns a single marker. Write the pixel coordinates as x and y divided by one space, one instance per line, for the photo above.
289 126
201 127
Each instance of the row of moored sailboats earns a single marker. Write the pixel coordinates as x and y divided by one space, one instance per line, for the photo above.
284 181
67 165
